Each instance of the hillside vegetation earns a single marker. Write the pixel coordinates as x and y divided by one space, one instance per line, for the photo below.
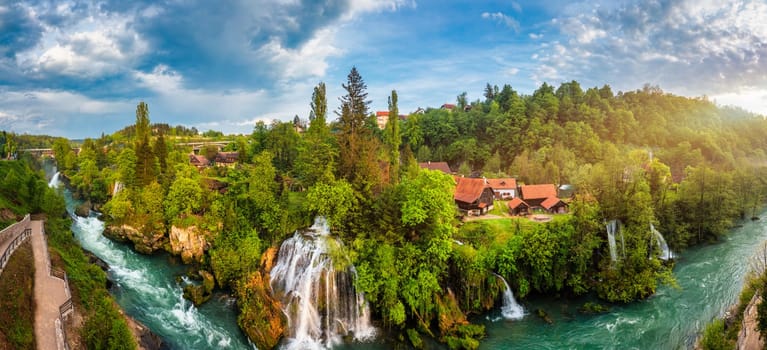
643 157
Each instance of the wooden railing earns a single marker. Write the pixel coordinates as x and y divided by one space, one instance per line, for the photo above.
18 232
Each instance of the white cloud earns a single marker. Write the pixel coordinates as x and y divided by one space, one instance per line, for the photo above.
688 47
89 47
308 60
502 18
535 36
751 99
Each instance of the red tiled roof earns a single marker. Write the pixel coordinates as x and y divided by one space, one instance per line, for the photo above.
448 106
538 191
198 160
550 202
516 202
382 114
441 166
468 190
497 184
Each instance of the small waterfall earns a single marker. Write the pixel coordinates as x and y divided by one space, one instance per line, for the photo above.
320 302
54 183
612 227
665 252
510 309
118 187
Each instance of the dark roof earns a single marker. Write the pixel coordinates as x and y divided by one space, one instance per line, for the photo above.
538 191
550 202
469 190
502 183
441 166
227 157
516 203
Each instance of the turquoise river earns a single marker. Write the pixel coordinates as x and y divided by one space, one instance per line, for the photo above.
710 277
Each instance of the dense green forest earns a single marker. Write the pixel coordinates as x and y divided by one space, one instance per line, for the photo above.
644 157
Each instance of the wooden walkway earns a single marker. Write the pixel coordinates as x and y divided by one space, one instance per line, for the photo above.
53 302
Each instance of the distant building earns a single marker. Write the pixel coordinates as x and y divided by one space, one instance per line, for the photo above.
448 106
227 159
382 117
198 161
441 166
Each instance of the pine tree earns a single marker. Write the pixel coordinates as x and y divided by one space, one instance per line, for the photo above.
393 139
357 147
145 160
161 151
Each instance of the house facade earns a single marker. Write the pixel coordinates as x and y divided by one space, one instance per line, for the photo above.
473 196
505 188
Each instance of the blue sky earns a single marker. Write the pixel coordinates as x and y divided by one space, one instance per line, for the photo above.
78 68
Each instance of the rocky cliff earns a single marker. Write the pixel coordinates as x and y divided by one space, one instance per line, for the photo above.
190 243
261 316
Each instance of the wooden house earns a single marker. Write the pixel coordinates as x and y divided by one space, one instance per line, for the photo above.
518 207
543 197
473 196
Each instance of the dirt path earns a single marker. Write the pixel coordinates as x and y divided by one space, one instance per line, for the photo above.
50 293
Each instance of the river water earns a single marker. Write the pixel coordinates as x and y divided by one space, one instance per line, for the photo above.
710 278
149 289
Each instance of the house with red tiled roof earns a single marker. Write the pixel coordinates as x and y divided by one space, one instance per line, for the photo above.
441 166
198 161
505 188
518 207
448 106
382 117
473 196
542 196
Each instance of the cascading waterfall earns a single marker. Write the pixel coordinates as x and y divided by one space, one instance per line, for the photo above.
665 252
320 302
54 183
612 227
510 309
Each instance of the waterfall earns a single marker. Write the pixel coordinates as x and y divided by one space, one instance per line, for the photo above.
320 302
118 187
510 309
612 227
665 253
54 183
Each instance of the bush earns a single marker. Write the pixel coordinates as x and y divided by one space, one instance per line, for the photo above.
714 337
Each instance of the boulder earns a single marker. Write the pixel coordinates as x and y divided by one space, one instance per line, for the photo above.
199 294
145 243
190 243
83 210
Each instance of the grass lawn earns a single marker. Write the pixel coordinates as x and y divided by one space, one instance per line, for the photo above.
17 301
497 231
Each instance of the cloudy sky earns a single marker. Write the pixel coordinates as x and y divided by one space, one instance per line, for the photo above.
78 68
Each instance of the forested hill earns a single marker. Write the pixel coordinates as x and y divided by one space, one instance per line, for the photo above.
547 136
683 165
